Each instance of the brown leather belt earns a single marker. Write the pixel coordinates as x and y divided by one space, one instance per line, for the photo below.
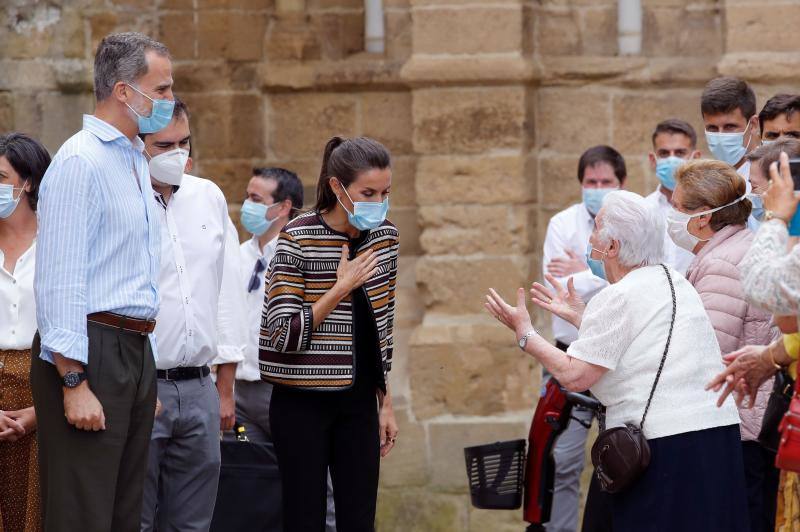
136 325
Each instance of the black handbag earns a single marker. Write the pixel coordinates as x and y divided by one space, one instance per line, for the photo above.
621 454
249 493
777 405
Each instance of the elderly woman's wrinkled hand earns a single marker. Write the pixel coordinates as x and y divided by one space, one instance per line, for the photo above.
564 303
747 370
517 318
779 197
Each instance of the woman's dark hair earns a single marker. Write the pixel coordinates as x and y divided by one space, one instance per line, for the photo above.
28 158
345 159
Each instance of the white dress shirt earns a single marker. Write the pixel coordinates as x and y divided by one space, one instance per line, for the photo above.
676 257
17 305
571 229
194 231
250 253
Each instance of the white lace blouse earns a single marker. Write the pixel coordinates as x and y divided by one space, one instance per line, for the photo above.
625 328
770 272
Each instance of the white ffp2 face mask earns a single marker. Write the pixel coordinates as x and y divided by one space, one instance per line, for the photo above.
678 226
168 167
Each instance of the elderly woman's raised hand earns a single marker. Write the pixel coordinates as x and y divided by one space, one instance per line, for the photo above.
779 197
564 303
748 368
517 318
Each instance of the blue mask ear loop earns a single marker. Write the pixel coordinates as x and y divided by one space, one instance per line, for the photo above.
146 96
353 203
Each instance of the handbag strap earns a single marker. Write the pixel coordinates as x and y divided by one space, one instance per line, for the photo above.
666 349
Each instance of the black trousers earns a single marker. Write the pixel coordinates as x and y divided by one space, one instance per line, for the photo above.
93 481
761 479
316 430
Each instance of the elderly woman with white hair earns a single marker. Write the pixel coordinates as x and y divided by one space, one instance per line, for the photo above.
646 344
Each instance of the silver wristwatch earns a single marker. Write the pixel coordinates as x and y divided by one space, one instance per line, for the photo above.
524 340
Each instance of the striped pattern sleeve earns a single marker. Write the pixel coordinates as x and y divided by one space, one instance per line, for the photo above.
286 322
390 311
66 213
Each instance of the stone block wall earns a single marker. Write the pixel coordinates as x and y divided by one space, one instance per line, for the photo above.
486 106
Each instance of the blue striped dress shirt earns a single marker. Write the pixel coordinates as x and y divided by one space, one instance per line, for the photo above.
98 246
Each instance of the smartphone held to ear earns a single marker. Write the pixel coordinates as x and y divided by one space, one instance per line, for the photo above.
794 224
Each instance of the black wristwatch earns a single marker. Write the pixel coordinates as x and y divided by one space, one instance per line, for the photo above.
73 379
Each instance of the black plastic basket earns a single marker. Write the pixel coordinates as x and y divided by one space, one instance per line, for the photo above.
496 474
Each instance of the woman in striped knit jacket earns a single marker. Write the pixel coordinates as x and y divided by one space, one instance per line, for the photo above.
326 341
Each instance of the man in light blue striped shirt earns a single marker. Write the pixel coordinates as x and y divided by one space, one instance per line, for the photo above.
96 292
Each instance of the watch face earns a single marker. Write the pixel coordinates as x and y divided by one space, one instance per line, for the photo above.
71 380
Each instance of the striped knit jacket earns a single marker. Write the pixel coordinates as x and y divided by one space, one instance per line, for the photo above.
291 352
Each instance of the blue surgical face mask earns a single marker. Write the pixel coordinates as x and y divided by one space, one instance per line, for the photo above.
366 215
728 147
254 217
665 170
767 142
160 116
593 198
758 206
8 203
596 266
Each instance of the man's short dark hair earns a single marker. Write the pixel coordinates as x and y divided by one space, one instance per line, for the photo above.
676 126
725 95
779 104
602 154
178 111
288 186
28 158
121 57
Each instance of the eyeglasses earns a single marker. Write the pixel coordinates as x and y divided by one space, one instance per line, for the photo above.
255 279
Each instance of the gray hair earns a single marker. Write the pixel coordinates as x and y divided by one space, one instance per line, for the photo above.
638 227
121 57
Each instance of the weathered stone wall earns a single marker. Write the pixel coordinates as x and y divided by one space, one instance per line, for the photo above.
485 104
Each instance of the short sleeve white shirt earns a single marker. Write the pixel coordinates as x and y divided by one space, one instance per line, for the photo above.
625 328
17 304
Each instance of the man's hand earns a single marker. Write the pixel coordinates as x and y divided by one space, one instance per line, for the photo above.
226 374
82 409
10 428
227 412
566 266
159 408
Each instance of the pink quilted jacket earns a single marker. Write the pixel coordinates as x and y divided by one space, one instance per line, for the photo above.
714 273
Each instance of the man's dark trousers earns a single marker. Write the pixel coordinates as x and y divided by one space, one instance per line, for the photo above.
93 481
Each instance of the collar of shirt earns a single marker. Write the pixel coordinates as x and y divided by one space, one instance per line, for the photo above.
160 198
108 133
268 248
584 216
